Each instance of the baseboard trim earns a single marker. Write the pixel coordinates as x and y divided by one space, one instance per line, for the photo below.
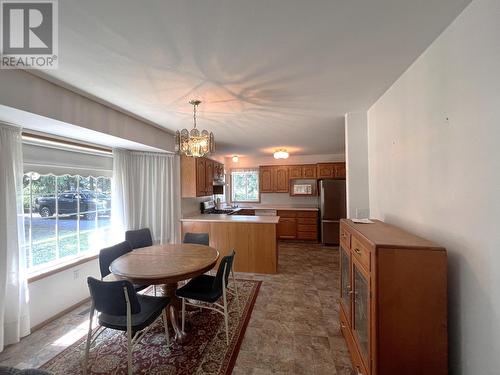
59 314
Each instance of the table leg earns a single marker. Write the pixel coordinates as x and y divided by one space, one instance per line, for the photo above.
175 305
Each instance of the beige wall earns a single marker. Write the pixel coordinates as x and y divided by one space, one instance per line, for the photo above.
434 158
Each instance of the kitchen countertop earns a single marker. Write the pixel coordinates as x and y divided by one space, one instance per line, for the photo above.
278 207
233 218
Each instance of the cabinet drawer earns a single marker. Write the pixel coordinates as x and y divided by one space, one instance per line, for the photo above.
307 236
307 214
307 220
361 252
287 214
307 228
345 238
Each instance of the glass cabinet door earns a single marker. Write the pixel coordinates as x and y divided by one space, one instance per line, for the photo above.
361 311
345 282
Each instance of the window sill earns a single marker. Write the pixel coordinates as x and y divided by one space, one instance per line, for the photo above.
60 267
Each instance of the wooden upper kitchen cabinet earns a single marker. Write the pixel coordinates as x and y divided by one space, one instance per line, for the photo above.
309 171
266 179
201 177
197 176
393 300
282 181
295 171
302 171
274 179
331 170
209 179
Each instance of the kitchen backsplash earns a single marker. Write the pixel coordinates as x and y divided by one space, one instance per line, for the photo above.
191 205
285 198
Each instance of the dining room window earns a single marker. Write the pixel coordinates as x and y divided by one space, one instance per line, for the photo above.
65 216
245 185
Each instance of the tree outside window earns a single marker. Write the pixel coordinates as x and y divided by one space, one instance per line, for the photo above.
64 217
245 185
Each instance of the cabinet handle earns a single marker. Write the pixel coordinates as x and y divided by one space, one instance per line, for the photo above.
357 250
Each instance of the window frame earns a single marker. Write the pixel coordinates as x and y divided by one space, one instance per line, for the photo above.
59 264
256 170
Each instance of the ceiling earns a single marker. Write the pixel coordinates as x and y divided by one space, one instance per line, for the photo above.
271 74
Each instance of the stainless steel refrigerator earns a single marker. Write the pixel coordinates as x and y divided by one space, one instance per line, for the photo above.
333 208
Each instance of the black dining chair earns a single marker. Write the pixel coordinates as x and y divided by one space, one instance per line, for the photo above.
209 289
109 254
197 238
139 238
119 307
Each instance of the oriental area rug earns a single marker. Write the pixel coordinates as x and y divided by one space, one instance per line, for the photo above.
206 351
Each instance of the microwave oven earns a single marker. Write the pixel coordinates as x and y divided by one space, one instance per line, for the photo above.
304 188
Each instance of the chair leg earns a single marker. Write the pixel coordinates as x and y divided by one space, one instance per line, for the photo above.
226 315
129 351
236 291
183 313
89 336
165 325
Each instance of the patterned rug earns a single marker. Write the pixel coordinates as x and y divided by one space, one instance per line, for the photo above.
205 353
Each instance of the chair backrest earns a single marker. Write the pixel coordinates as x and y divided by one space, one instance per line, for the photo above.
227 263
197 238
139 238
109 254
109 297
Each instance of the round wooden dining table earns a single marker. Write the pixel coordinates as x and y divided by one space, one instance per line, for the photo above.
165 265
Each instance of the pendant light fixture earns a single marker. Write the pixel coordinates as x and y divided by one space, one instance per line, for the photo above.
193 143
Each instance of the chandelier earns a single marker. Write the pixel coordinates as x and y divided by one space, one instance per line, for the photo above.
193 143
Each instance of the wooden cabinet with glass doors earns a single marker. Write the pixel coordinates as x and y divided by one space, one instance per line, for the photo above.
393 304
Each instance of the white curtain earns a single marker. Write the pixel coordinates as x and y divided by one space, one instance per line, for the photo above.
14 312
146 193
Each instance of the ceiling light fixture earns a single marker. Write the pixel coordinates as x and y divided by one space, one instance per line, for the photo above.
236 159
193 143
281 154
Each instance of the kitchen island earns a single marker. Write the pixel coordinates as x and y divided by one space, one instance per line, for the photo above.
253 238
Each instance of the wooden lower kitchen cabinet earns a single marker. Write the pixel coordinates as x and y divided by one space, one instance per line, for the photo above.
298 225
393 300
254 243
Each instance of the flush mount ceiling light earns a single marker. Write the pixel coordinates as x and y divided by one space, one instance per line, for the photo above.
281 154
193 143
236 159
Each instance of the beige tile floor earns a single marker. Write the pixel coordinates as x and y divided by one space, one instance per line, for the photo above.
294 327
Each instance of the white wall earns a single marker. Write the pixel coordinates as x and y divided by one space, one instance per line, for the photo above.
434 169
356 160
26 92
57 292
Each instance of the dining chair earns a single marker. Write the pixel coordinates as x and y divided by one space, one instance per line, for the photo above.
197 238
139 238
119 307
209 289
109 254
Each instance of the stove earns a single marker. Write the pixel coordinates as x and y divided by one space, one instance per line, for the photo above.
209 208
